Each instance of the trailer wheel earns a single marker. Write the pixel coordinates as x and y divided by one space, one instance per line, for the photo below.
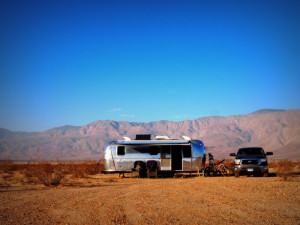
140 166
142 173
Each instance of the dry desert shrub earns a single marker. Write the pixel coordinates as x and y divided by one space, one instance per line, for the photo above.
43 173
51 179
49 173
229 164
8 166
82 169
283 168
54 173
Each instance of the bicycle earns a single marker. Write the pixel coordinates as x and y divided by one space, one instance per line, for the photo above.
216 169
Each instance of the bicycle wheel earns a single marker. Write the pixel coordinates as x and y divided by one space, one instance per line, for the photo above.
225 171
208 171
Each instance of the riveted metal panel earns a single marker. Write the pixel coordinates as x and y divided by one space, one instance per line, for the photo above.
125 162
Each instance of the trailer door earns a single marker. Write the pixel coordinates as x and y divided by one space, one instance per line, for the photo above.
187 157
176 157
165 157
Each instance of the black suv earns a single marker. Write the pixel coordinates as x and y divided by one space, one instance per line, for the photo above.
251 160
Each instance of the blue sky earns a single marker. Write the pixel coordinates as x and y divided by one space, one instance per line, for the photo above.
74 62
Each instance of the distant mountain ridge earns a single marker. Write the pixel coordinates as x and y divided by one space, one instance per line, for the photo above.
274 130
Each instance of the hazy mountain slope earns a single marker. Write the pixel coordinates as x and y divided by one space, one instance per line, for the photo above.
275 130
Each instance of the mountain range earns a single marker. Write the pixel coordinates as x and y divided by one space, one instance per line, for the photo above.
274 130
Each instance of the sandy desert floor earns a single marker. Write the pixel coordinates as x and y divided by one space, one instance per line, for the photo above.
105 199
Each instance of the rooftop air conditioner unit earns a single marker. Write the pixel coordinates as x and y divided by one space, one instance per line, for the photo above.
162 138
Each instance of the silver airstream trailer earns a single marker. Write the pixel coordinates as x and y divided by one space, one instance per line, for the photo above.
170 155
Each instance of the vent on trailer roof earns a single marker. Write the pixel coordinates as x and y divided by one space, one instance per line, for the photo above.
143 137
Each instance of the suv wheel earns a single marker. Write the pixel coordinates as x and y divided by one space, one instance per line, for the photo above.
236 174
258 174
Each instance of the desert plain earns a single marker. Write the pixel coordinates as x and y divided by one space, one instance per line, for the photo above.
107 199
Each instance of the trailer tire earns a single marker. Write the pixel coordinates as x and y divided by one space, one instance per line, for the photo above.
140 166
142 173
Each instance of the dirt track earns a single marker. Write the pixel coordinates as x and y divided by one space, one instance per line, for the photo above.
244 200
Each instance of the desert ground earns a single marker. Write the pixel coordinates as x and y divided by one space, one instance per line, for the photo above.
77 193
107 199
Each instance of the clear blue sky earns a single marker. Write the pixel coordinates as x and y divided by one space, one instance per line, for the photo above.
74 62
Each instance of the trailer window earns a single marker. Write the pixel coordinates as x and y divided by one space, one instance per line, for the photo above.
121 150
186 151
131 150
166 152
152 150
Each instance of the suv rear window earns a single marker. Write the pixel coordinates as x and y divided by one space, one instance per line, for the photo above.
251 151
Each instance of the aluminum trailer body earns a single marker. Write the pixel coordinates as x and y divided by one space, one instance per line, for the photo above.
180 155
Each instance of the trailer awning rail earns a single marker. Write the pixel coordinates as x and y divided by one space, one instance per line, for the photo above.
151 142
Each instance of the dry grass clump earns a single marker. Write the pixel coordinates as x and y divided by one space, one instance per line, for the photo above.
49 173
229 163
44 173
285 168
8 166
82 169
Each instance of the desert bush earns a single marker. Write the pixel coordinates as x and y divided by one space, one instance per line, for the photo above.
6 176
8 166
283 168
52 174
229 163
50 179
83 169
78 169
33 169
44 173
